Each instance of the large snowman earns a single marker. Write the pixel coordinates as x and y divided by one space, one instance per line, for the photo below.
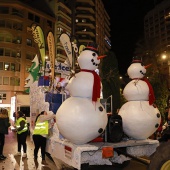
81 118
140 117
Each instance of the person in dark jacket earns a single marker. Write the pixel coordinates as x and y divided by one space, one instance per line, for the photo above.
4 125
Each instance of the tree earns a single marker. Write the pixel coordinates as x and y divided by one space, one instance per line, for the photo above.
161 91
110 79
149 53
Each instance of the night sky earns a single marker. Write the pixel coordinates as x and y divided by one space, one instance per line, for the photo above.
126 18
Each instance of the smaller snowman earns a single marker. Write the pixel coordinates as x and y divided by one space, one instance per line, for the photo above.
81 118
140 116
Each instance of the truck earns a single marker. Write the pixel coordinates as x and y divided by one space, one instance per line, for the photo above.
20 102
103 152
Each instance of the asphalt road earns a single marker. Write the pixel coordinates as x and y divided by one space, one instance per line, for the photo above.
19 163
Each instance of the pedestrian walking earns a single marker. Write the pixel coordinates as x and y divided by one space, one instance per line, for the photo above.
4 125
41 132
22 132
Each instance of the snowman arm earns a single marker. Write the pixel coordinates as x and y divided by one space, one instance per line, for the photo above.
165 126
43 118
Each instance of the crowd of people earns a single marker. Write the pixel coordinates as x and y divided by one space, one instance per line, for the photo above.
40 132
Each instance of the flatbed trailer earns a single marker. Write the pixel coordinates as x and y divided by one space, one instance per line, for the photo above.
92 152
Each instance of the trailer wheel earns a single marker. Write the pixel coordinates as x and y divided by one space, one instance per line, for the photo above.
160 159
85 166
123 165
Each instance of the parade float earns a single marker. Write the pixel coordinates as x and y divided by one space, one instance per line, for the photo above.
79 136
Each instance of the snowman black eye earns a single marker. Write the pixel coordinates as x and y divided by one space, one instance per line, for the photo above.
94 54
92 60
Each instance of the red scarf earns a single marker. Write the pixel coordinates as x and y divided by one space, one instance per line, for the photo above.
96 85
151 92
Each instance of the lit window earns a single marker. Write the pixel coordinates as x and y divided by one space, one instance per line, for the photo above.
29 42
3 96
6 66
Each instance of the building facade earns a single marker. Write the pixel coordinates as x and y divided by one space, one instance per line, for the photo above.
17 46
157 34
84 20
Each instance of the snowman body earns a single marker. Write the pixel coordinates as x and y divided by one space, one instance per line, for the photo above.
80 119
136 90
140 119
82 81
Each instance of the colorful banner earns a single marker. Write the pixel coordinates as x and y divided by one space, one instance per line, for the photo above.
39 39
51 49
65 41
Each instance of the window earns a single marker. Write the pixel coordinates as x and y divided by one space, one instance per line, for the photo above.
7 52
14 54
29 42
49 23
3 96
1 51
6 81
83 20
17 12
29 56
0 80
17 82
37 19
31 16
2 23
8 24
1 38
8 38
17 26
6 66
12 67
4 10
1 65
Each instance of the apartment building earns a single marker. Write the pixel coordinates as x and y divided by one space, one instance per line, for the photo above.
84 20
157 33
17 46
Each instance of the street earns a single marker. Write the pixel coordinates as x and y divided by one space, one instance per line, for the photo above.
18 163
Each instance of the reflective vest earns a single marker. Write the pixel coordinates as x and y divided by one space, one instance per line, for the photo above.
18 125
41 128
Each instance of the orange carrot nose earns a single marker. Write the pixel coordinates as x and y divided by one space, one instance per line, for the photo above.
147 66
99 57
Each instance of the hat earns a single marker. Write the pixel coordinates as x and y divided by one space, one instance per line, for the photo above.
92 46
137 59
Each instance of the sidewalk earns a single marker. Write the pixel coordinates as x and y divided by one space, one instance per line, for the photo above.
17 162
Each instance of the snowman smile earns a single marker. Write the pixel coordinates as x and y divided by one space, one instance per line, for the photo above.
93 62
142 72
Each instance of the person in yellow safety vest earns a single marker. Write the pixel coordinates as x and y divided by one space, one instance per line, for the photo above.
40 133
22 132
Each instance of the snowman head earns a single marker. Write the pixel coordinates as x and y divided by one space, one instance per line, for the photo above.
136 69
88 58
